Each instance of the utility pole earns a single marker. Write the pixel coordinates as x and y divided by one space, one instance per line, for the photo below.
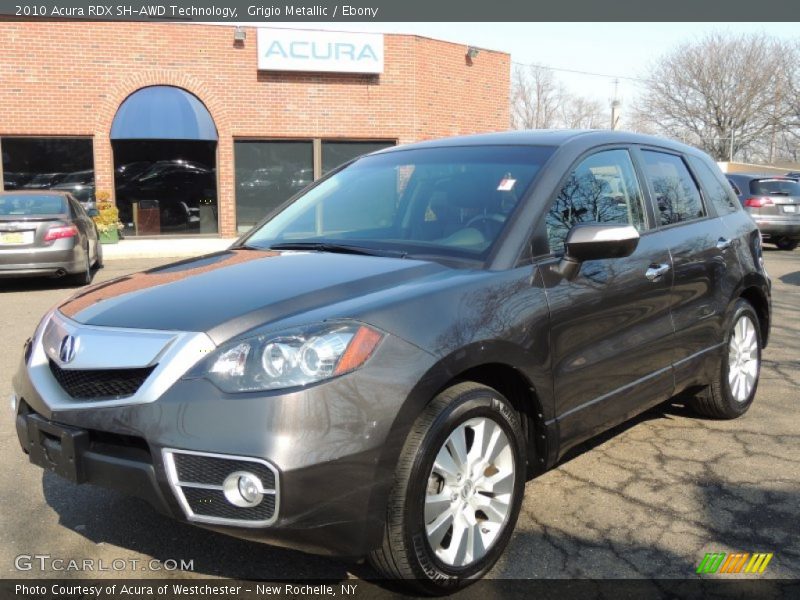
615 105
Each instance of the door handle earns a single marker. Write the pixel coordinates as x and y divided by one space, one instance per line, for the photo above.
656 271
723 243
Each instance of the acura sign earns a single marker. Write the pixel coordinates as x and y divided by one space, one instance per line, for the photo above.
320 51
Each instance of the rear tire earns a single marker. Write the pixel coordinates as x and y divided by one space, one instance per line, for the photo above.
83 277
457 492
734 386
786 244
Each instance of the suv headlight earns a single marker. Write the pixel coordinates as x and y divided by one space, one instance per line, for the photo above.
290 358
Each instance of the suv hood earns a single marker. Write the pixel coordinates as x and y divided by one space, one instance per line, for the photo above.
204 293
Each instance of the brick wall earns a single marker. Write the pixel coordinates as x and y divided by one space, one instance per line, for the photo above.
69 78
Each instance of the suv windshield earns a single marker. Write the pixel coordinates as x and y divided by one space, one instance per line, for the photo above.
775 187
449 201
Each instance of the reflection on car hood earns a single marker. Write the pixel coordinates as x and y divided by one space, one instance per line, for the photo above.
202 294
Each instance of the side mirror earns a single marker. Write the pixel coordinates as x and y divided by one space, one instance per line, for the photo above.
93 212
596 241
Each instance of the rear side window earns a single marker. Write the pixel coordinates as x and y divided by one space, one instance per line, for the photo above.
676 194
31 204
602 189
734 187
719 195
775 187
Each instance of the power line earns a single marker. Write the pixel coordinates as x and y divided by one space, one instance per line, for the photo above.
578 72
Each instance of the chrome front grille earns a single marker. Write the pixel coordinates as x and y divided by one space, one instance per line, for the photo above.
108 366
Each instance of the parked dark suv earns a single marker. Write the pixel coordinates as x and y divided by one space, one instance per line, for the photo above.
379 365
774 203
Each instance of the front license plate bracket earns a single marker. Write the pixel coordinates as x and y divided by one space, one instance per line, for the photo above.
57 448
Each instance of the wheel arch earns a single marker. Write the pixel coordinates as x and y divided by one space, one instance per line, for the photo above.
760 302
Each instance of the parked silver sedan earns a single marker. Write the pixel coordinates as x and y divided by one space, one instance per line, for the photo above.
46 233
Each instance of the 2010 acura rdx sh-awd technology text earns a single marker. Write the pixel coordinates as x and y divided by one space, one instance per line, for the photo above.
378 367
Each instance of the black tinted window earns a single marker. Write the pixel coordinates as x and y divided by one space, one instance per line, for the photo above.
267 174
335 153
775 187
602 189
31 204
676 194
719 195
49 163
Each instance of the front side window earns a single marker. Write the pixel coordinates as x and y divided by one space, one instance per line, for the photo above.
676 194
602 189
448 201
723 200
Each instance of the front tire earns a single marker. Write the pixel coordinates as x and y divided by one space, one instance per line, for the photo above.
734 386
457 493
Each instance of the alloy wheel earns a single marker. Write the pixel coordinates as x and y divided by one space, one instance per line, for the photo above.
743 359
469 493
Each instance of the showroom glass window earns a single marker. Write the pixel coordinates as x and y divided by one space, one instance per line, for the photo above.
335 152
602 189
676 194
267 174
43 163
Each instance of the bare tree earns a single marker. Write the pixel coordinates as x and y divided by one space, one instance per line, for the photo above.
539 101
578 112
535 98
721 88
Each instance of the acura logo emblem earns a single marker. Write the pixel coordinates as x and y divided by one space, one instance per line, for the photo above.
67 350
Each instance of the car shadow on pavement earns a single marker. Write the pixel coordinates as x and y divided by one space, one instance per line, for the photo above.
674 407
36 284
108 518
791 278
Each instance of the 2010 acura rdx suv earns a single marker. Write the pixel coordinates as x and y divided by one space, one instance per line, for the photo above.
379 365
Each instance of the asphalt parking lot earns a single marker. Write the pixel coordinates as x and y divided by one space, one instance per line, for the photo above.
647 499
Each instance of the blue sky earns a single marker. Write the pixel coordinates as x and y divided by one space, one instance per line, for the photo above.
615 49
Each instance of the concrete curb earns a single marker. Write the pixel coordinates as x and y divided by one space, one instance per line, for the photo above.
167 248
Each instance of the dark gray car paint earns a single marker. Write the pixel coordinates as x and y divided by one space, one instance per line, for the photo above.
587 354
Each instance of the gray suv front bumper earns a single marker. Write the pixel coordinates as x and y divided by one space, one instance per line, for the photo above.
332 446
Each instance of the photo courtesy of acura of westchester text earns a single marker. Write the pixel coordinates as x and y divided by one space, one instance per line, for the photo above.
396 301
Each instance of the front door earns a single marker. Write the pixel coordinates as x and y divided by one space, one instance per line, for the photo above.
611 330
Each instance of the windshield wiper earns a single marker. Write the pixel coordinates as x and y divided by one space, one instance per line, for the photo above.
339 248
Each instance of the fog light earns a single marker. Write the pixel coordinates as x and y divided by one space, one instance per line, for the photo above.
243 489
13 400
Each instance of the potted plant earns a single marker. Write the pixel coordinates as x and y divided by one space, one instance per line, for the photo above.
107 219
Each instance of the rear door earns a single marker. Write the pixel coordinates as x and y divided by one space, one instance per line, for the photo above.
611 332
703 250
